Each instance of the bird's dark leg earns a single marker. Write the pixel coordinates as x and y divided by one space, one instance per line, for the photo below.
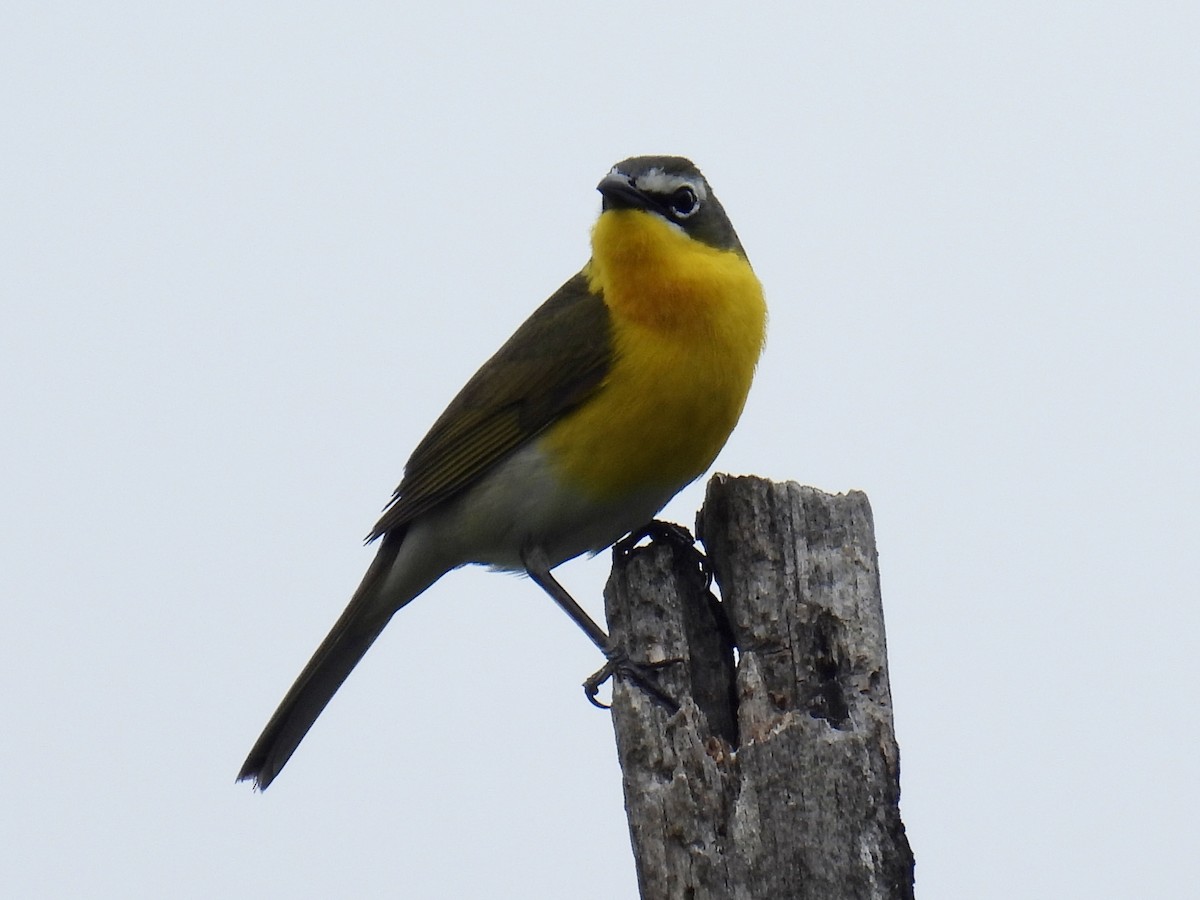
536 565
538 568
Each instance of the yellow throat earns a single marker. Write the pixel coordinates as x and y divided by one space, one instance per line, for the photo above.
688 325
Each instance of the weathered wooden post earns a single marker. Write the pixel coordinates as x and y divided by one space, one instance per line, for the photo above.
779 777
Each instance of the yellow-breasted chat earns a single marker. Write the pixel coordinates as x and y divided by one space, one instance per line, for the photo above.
616 393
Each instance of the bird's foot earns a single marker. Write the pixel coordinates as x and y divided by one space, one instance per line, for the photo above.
621 665
675 536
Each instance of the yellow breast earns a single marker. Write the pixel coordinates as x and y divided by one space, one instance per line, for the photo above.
688 324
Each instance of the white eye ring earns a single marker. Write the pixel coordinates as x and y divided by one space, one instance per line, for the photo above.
683 202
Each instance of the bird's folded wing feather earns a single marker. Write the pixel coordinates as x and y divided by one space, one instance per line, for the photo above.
556 359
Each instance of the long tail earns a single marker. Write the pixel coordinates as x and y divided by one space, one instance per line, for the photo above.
350 638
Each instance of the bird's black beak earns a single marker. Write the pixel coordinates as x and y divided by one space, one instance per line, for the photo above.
619 193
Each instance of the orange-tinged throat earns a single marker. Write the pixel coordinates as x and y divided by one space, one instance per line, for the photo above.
688 324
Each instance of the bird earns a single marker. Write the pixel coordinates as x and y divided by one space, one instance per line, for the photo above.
618 391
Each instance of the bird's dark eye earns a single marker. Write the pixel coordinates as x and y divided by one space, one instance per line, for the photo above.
683 202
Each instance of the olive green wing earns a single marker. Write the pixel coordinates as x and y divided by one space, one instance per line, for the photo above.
555 360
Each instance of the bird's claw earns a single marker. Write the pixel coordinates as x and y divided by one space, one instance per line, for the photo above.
672 534
591 687
619 664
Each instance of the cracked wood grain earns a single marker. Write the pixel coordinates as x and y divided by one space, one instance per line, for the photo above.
779 776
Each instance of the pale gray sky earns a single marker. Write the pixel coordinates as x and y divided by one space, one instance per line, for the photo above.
249 253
